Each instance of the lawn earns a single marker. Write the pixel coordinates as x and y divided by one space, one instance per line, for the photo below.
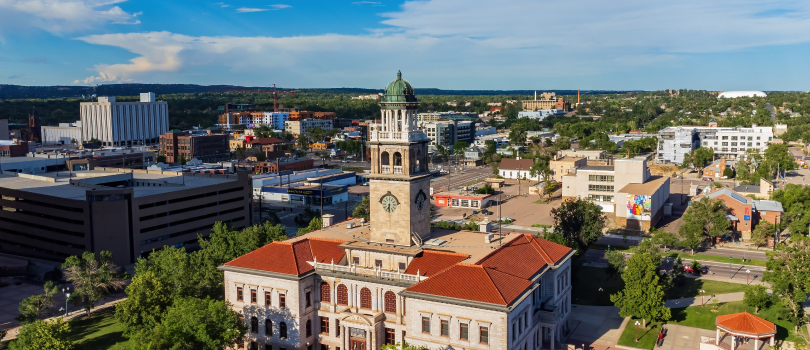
100 331
692 287
646 336
587 281
738 261
703 317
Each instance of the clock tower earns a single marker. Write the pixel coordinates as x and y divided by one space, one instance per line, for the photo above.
399 180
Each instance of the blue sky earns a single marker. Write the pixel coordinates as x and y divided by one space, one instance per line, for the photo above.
450 44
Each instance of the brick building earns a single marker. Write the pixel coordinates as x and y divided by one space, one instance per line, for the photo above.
207 148
271 146
13 149
745 213
283 164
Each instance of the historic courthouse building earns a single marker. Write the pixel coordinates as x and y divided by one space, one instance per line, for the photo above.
358 285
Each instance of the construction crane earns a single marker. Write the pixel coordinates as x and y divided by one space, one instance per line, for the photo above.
275 97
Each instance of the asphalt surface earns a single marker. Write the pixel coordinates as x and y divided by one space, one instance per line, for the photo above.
736 273
457 179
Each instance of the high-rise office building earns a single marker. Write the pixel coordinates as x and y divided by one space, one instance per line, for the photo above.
124 123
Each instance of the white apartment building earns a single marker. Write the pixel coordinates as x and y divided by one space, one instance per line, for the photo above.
124 123
298 127
357 286
726 142
540 114
272 120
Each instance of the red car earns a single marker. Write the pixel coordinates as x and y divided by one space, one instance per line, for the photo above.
708 179
702 270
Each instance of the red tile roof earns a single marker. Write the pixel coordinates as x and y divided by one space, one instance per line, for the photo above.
451 282
744 322
500 277
431 262
290 258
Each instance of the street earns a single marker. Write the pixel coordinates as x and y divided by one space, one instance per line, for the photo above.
720 271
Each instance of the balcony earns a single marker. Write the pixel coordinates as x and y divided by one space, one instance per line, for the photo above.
385 169
353 270
547 314
397 170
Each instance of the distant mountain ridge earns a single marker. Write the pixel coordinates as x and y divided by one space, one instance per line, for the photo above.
20 91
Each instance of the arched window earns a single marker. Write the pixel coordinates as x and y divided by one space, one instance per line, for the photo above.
268 327
390 302
309 328
254 325
282 330
384 158
419 161
326 292
365 298
397 159
342 295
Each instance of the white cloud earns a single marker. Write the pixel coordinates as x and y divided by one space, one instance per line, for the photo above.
373 3
249 9
504 43
222 4
280 6
59 16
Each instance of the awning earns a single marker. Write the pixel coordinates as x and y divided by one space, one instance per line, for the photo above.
732 217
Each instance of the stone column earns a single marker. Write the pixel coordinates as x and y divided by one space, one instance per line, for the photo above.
554 330
333 295
350 291
717 338
756 343
375 299
772 339
733 342
399 306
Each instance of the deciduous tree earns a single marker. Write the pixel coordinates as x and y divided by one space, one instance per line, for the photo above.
146 303
788 274
760 235
579 221
192 323
38 335
362 209
756 296
93 277
703 218
643 295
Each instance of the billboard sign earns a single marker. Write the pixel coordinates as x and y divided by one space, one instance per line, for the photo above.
639 207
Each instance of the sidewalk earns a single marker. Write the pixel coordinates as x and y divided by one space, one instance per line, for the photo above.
721 298
108 302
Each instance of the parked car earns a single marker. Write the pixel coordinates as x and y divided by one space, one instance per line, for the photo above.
702 270
708 179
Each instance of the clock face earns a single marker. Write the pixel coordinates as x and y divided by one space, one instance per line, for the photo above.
420 200
389 203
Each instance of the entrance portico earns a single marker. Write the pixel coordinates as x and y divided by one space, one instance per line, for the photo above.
360 331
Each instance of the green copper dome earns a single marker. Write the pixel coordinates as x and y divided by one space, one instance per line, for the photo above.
399 91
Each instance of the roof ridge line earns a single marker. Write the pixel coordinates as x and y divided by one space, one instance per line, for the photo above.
496 250
486 271
445 252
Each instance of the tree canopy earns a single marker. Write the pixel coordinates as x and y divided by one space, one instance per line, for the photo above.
579 221
39 334
703 219
643 294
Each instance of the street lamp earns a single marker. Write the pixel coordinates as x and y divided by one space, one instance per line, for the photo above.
66 290
637 324
748 272
702 292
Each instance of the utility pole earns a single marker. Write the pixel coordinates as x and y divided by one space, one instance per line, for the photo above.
321 199
500 236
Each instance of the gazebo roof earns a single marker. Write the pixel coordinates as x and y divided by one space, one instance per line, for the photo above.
745 323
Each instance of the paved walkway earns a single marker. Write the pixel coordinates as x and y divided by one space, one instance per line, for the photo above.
108 302
600 327
721 298
684 338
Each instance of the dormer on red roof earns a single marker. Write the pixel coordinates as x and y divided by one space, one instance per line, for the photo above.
291 258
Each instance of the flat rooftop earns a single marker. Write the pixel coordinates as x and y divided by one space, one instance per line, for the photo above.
598 167
648 188
463 242
58 184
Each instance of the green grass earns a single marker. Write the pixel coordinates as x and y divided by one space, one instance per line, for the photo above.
703 317
691 288
353 169
100 331
587 281
646 336
541 226
738 261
